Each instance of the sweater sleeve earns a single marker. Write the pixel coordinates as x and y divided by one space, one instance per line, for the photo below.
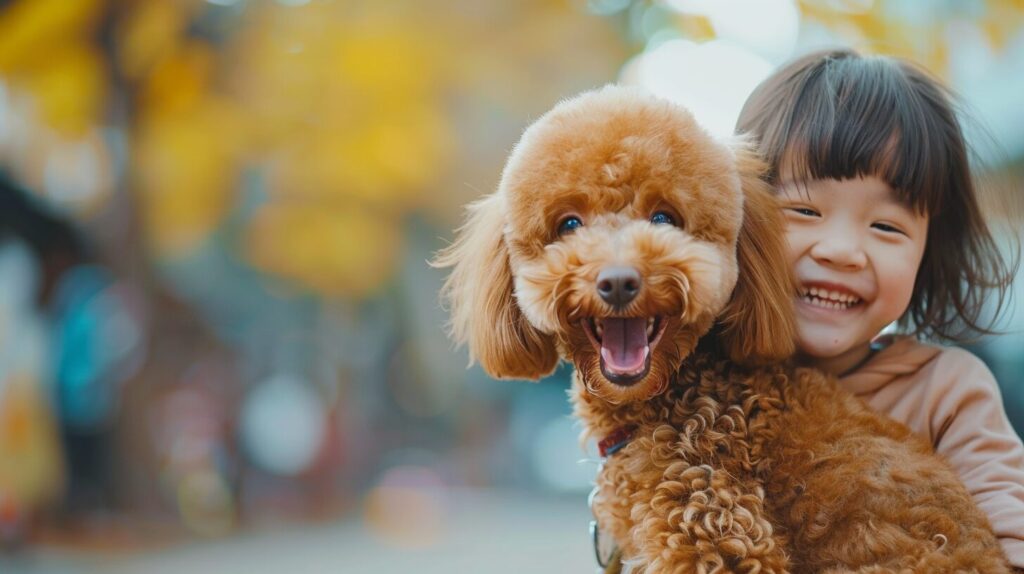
971 430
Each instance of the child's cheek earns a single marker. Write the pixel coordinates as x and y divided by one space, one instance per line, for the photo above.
793 241
898 287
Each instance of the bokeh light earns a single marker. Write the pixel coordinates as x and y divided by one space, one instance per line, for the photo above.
407 507
283 425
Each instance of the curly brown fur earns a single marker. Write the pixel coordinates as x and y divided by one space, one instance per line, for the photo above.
729 466
739 462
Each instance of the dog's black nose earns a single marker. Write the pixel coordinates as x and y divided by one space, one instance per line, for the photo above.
618 286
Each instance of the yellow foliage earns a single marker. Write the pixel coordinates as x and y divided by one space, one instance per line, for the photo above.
69 89
148 32
336 251
352 107
389 63
926 43
187 162
342 106
30 29
385 160
179 81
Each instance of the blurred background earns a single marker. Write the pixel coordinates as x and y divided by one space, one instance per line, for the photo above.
221 347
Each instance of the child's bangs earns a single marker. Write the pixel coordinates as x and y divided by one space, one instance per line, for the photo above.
880 129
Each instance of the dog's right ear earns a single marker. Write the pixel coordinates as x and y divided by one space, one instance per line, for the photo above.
479 291
758 323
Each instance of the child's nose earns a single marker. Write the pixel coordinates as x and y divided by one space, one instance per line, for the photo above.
840 251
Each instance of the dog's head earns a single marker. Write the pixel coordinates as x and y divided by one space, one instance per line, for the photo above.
620 234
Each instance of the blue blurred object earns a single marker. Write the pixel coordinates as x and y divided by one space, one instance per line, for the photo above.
97 341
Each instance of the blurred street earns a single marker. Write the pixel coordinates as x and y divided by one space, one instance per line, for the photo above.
486 531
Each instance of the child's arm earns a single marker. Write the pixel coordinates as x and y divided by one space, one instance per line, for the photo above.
970 428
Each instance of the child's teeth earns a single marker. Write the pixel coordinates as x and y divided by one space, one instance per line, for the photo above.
826 303
825 298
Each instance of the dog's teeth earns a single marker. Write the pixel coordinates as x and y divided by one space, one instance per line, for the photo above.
650 328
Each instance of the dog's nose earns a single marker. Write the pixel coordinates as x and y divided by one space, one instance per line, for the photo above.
618 286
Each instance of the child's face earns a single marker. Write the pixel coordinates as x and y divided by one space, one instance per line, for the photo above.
854 251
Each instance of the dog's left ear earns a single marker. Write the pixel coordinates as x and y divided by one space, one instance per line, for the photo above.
758 323
479 290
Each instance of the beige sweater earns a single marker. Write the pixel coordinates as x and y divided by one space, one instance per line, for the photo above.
950 397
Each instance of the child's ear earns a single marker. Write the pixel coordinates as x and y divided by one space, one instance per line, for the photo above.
484 312
758 322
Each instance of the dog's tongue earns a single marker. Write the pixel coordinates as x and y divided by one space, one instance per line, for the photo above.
624 345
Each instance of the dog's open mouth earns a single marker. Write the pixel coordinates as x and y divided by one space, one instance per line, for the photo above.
625 345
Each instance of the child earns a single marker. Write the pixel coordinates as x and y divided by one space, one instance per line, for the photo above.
883 225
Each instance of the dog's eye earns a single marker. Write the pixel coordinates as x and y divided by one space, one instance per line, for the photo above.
662 218
569 224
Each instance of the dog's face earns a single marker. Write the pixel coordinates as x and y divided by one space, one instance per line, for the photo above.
623 217
613 239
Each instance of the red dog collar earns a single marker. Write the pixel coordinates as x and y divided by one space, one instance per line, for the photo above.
615 441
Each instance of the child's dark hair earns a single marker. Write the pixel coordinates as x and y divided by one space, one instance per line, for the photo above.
840 115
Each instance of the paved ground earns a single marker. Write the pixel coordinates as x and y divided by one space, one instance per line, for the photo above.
483 532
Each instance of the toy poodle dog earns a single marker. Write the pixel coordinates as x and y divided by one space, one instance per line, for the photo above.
625 239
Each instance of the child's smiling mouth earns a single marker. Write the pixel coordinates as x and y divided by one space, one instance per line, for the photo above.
829 297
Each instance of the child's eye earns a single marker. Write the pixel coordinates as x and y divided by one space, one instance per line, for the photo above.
805 211
887 228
